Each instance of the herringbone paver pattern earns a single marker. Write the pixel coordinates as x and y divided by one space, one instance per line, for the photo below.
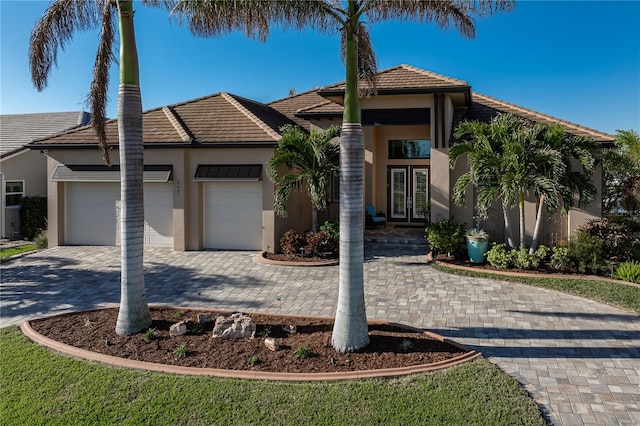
578 358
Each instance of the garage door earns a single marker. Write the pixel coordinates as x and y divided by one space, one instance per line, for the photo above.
233 215
92 212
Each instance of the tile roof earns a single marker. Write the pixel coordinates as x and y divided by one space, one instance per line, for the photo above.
17 130
217 118
290 105
483 108
406 77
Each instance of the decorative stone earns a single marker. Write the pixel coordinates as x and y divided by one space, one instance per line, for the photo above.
234 326
290 328
272 343
203 318
178 329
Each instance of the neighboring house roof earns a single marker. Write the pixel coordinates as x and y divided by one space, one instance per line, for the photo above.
18 130
484 108
291 105
405 79
215 119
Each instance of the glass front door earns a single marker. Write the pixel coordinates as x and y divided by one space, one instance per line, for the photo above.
408 193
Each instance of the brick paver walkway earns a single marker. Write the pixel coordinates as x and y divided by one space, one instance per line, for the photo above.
579 359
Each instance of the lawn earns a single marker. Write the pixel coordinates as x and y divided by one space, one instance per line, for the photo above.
11 251
38 386
616 294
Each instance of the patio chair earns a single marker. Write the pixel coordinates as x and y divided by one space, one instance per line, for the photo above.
373 218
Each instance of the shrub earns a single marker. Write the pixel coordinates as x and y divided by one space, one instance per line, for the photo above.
523 260
291 242
332 227
41 240
33 216
445 236
629 271
560 259
499 257
542 253
319 244
588 254
615 236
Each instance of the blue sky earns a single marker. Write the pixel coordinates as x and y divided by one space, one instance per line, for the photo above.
575 60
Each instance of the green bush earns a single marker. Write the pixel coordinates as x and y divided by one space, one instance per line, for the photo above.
615 236
332 227
560 259
499 257
445 236
33 216
629 271
588 254
522 259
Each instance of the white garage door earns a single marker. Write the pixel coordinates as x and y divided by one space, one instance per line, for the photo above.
92 210
233 215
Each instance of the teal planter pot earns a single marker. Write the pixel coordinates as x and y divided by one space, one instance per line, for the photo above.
477 249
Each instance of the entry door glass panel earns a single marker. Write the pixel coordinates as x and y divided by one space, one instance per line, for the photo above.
420 191
398 193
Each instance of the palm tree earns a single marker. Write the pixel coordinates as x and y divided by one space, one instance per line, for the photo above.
568 181
621 168
485 148
61 20
347 18
312 159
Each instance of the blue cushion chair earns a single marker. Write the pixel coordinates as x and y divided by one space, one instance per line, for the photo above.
373 218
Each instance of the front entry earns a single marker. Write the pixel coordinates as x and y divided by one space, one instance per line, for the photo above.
408 192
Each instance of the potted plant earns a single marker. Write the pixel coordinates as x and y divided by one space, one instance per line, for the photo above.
477 244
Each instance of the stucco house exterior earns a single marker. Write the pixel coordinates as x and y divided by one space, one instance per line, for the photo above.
23 172
205 159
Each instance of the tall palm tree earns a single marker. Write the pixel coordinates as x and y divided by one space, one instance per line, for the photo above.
347 18
311 160
621 168
57 26
571 176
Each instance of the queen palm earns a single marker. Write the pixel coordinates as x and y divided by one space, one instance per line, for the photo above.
347 18
61 20
310 161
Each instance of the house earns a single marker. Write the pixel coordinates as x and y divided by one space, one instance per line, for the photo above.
23 172
205 183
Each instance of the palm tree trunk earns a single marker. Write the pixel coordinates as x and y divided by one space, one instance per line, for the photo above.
538 227
134 315
521 208
507 226
314 218
350 331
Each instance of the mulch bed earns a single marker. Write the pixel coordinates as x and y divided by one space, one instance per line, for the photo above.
390 347
281 257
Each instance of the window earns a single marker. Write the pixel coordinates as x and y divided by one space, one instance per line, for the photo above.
409 149
14 191
334 195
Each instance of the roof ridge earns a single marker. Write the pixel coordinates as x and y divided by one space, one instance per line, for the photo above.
231 99
559 120
432 74
315 105
294 96
177 123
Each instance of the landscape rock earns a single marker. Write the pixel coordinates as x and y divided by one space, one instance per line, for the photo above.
290 328
203 318
178 329
234 326
272 343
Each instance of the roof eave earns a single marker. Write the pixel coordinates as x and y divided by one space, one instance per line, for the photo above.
403 91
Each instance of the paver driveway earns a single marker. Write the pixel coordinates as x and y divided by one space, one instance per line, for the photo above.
579 359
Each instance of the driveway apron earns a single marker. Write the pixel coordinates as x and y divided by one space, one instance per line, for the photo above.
579 359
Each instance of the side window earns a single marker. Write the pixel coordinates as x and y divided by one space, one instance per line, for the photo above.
335 187
14 191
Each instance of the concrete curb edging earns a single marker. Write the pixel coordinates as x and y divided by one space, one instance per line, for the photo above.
523 274
262 258
65 349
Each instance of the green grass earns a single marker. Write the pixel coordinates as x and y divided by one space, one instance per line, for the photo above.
38 386
6 252
616 294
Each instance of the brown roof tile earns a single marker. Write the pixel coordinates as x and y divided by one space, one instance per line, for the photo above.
406 77
483 108
218 118
290 105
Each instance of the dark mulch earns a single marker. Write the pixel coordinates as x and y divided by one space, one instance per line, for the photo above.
281 257
390 346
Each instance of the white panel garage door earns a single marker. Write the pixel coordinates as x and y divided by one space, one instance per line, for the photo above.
233 215
92 210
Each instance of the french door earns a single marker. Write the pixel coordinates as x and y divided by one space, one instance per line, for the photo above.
408 192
